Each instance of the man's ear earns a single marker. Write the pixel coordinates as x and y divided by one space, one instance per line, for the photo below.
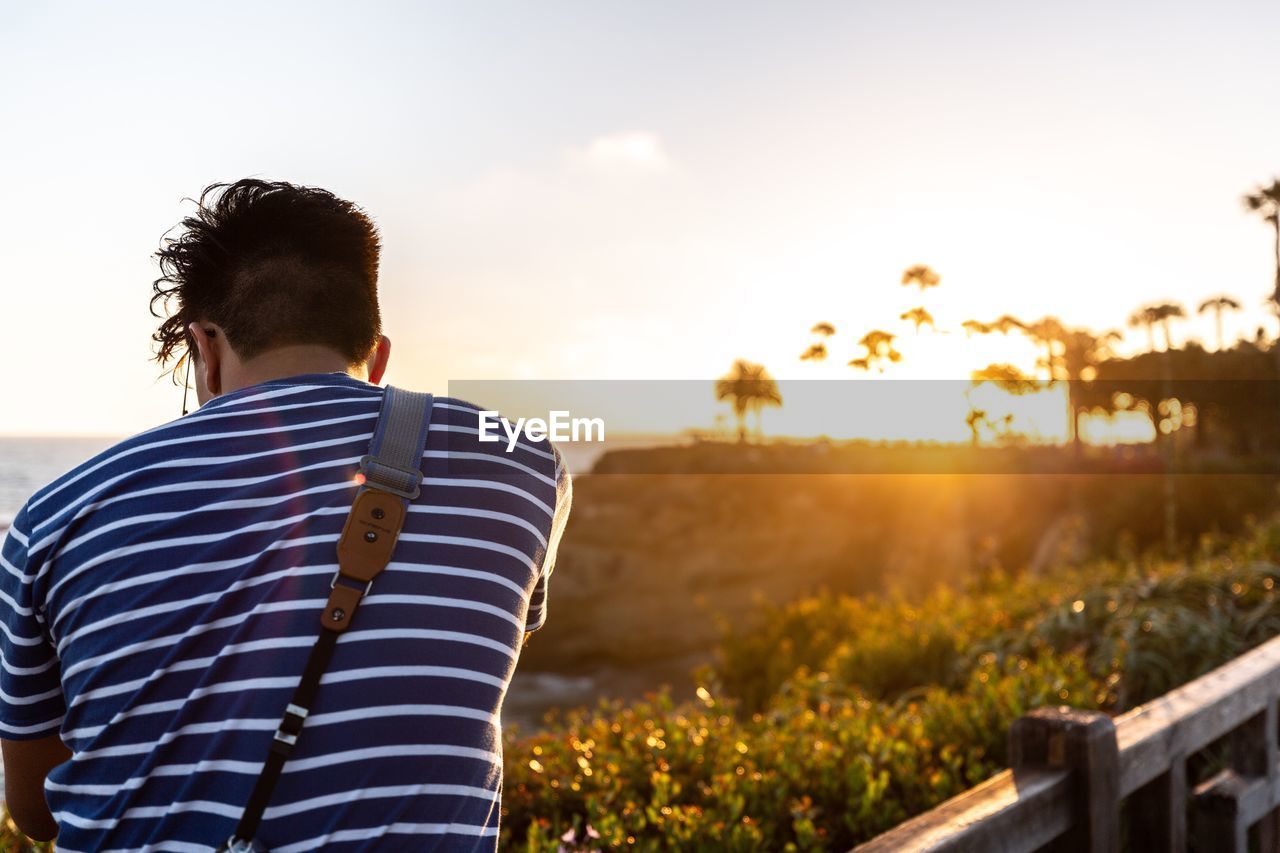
377 363
209 364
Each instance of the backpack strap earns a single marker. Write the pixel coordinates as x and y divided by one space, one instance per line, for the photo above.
390 476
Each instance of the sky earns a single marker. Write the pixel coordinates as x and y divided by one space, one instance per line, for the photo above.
587 190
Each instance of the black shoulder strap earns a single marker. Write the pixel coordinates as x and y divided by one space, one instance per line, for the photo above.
390 477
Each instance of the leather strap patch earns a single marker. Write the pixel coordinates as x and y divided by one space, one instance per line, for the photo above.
370 534
341 605
368 538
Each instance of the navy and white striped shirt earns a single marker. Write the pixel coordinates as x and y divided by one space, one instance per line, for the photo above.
158 603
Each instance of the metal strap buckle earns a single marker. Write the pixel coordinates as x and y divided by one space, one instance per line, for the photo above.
333 581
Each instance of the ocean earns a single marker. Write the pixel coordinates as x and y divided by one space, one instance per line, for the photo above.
27 463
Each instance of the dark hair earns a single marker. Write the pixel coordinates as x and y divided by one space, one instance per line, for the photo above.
273 264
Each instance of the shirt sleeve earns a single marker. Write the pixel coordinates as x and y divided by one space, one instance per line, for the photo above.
31 702
537 615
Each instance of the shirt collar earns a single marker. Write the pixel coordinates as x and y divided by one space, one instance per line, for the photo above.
333 378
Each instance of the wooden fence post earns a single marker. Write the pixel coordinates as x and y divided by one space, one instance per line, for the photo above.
1226 805
1254 752
1219 825
1084 742
1158 811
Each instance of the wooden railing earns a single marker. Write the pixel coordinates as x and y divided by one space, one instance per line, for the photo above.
1072 770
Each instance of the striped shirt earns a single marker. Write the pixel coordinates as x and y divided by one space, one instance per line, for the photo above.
158 603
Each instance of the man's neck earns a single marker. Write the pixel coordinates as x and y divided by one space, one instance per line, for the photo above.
283 362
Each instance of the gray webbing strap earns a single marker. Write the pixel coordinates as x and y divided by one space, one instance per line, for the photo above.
393 464
394 460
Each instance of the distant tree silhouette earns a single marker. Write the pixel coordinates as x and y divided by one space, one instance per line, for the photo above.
1006 377
922 276
815 352
920 317
879 347
1234 391
818 351
1217 305
975 419
1265 201
1006 323
1163 313
1047 332
1050 333
1003 376
1082 353
749 388
1144 318
1068 354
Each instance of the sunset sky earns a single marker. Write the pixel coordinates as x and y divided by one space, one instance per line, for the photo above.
605 190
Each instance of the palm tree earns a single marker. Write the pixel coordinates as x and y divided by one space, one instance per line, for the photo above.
1007 377
1217 305
1145 318
749 388
975 419
815 352
818 351
920 317
1049 333
1162 314
921 276
1006 323
1265 201
1082 352
879 346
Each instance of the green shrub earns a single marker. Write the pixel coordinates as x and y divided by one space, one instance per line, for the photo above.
824 766
835 718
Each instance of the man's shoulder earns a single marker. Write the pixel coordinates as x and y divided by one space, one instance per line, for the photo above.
111 461
473 431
